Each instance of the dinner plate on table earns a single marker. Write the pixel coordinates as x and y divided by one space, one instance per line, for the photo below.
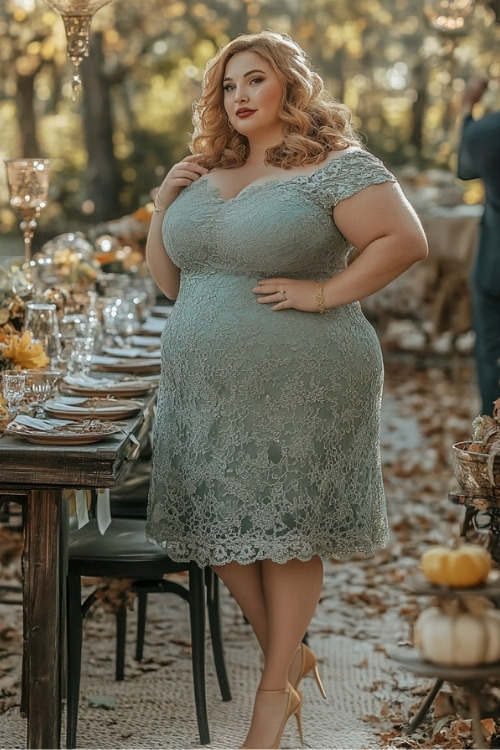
133 352
84 385
161 311
141 340
153 326
79 407
61 432
146 365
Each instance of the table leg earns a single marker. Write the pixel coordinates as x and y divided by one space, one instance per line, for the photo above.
42 616
470 512
422 711
475 714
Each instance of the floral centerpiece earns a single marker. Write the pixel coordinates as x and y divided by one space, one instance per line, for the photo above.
19 352
120 245
67 261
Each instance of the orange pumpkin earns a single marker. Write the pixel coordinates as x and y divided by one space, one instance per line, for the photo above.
461 567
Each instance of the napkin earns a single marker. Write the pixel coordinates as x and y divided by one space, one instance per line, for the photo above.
142 341
133 352
102 359
82 512
103 509
44 425
162 310
81 404
86 380
153 325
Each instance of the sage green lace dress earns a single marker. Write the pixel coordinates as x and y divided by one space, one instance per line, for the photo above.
266 442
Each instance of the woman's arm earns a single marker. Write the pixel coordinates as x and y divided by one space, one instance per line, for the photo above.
163 270
382 225
380 222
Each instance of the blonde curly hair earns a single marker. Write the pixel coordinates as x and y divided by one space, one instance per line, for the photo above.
314 122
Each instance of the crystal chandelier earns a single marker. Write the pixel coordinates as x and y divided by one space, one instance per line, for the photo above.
77 16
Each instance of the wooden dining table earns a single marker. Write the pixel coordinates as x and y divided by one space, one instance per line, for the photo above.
37 476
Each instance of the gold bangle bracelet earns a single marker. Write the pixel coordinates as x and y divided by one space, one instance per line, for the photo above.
162 208
318 296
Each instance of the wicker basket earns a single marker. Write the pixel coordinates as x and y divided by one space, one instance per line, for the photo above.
477 473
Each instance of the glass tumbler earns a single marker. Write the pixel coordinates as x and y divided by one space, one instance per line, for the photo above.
71 326
80 359
14 387
41 321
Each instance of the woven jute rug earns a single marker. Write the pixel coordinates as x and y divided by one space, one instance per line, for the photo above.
154 706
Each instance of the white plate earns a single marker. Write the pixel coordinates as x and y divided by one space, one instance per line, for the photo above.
71 433
84 385
135 366
103 408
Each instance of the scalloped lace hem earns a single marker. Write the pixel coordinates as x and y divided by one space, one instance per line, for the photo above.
277 553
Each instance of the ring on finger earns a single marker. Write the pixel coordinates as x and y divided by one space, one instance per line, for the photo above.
283 295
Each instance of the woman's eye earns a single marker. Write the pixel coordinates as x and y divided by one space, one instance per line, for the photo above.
256 80
229 87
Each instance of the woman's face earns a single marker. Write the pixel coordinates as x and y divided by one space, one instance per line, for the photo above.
252 97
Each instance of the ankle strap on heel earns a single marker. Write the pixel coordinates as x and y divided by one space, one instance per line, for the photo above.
274 692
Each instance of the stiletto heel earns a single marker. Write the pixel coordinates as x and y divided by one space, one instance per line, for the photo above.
309 663
318 681
298 716
293 706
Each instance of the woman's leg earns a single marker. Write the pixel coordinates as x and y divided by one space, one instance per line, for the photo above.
245 584
291 595
279 601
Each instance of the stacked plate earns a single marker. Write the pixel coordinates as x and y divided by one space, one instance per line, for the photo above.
133 361
81 407
84 385
60 432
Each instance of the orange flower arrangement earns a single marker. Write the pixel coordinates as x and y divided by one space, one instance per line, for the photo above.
18 352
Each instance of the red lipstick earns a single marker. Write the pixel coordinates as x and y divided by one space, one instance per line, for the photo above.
244 112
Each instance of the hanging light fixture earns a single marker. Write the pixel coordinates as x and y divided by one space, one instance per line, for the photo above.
77 16
450 18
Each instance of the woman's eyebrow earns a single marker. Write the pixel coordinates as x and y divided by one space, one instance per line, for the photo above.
245 75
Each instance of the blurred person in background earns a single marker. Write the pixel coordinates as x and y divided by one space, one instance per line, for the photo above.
479 158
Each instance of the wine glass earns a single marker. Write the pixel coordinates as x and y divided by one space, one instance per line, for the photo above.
77 16
42 384
41 321
28 181
14 387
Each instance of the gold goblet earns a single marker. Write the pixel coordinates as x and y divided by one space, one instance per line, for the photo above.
77 16
28 181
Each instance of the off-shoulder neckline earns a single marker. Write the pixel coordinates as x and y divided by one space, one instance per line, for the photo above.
259 183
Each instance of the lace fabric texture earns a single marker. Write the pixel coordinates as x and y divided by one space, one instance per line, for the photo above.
266 440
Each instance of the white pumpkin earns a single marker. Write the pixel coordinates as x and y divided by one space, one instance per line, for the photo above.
459 633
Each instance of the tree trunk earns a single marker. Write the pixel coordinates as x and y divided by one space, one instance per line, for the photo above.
419 108
102 177
26 114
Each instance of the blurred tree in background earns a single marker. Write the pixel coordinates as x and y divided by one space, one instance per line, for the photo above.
382 57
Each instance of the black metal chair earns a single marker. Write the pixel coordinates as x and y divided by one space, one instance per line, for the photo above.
124 552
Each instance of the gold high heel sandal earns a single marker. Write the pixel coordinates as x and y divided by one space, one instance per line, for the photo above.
309 663
293 707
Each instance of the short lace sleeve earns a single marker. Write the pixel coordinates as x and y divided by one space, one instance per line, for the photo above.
346 175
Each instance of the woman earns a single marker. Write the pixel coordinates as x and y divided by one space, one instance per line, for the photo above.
266 453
